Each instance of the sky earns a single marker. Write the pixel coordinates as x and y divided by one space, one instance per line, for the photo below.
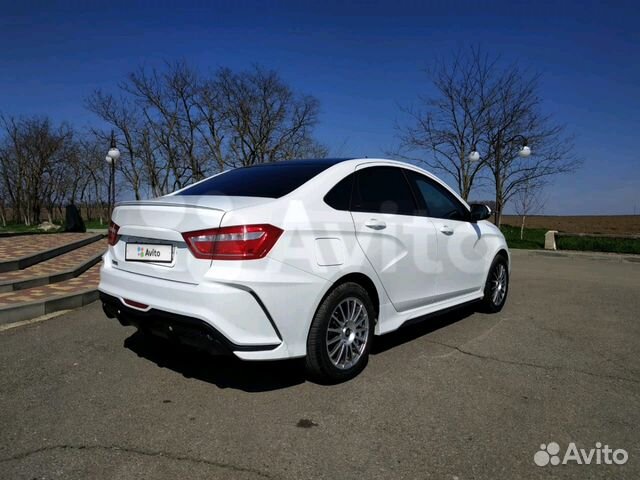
362 60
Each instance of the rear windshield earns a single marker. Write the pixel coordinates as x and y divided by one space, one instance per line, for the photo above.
273 181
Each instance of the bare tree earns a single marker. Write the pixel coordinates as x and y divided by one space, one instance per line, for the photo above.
92 173
528 201
173 126
482 104
176 126
514 116
446 127
3 204
33 158
263 118
121 114
168 101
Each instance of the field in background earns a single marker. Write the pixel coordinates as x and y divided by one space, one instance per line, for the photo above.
537 226
607 224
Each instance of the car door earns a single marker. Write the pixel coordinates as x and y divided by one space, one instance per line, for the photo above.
400 244
462 251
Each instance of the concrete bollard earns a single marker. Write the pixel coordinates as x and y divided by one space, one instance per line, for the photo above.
550 240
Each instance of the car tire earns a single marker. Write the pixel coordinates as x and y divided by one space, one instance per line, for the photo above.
340 335
496 287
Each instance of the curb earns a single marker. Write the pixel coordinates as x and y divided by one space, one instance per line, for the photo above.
27 261
23 234
606 256
26 311
13 285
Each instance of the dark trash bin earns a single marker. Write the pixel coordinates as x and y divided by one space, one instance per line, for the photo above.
73 221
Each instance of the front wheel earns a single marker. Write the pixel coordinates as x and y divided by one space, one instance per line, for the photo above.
340 335
496 287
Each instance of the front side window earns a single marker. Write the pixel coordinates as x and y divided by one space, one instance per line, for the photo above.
383 190
439 202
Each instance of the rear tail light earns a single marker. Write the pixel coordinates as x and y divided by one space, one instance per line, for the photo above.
113 233
241 242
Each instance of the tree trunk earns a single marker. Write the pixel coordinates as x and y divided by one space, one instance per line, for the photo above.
522 227
36 213
498 180
498 212
498 215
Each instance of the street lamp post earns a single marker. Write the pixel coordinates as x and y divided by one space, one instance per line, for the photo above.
112 156
524 151
497 143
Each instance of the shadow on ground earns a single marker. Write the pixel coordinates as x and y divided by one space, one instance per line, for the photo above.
230 372
223 371
420 327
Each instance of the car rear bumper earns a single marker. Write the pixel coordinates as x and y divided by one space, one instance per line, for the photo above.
181 328
215 316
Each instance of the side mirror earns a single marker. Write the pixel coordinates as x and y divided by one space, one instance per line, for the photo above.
479 212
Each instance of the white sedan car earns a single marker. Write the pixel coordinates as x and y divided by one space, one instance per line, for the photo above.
305 258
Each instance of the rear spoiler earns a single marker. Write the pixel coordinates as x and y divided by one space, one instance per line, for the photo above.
137 203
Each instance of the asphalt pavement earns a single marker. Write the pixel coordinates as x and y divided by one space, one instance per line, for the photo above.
460 396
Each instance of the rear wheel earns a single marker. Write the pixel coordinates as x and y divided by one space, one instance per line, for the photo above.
497 286
340 335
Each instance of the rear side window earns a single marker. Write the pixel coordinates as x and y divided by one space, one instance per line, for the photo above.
339 197
439 202
272 181
383 190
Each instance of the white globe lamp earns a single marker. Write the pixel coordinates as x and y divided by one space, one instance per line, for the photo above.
525 151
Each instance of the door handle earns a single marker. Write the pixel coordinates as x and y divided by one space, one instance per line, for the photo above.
446 230
375 224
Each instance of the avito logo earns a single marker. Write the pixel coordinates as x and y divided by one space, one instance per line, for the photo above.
550 454
146 252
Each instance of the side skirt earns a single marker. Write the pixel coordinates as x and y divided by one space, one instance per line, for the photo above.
391 320
428 316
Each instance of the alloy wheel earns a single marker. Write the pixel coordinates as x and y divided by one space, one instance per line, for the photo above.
499 284
347 333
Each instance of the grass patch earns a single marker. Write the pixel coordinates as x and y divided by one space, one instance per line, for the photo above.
533 238
599 244
22 228
96 224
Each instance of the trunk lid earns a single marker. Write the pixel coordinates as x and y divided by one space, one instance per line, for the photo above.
162 221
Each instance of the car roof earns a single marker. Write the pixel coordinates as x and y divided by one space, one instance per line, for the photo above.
306 161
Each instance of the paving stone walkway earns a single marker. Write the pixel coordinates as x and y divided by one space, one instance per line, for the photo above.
85 282
60 264
13 248
23 304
